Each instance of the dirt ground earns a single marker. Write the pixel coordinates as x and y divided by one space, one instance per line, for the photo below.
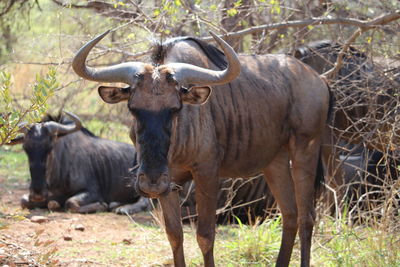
66 239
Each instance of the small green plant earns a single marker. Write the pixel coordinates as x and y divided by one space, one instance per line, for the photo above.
12 116
255 244
341 244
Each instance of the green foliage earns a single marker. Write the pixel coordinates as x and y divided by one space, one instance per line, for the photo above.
15 14
11 115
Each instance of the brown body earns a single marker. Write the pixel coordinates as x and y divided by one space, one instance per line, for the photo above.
274 112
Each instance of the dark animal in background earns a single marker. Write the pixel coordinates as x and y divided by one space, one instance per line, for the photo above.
366 105
246 201
364 91
368 175
69 165
273 113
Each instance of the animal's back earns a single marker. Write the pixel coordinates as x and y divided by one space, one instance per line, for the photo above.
81 162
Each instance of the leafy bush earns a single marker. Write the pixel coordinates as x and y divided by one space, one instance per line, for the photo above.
11 116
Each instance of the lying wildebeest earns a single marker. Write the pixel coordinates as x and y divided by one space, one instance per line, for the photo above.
368 177
69 165
273 113
52 183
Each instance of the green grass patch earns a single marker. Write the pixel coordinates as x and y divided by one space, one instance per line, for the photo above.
339 244
249 245
14 167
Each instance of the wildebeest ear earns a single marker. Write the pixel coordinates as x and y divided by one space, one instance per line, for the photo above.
196 95
298 53
112 95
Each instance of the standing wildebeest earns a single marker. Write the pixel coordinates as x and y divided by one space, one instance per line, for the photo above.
68 164
273 113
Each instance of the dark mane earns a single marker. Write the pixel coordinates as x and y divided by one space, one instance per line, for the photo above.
160 49
65 120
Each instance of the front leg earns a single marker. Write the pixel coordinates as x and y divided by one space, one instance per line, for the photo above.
206 205
173 225
27 204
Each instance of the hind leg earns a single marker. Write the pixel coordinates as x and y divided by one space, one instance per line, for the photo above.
304 153
85 202
279 180
143 204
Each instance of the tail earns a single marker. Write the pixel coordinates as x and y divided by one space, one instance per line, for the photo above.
319 178
332 101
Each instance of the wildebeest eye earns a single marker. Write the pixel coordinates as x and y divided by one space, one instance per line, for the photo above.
170 78
125 89
139 76
184 90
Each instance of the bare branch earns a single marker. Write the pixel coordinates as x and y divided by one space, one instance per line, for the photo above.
331 74
103 8
5 11
381 20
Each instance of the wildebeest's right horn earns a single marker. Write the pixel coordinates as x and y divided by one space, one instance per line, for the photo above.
187 73
56 128
123 72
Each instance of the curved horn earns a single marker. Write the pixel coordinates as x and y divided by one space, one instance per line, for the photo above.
187 73
123 72
56 128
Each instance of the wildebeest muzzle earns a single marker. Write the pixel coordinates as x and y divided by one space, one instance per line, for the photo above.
153 184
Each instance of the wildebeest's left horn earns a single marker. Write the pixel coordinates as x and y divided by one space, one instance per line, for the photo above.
187 73
56 128
123 72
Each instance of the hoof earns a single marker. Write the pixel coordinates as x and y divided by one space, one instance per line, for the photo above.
72 206
25 204
53 205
